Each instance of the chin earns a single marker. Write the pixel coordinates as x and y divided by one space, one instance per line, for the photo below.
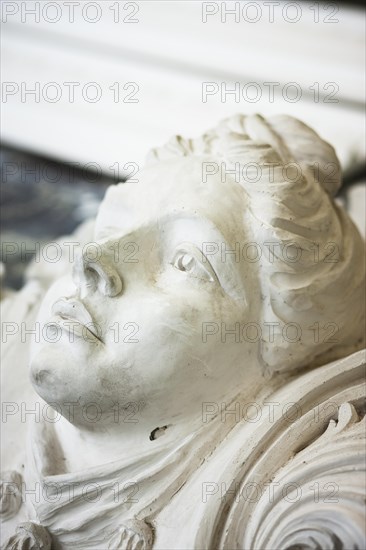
49 377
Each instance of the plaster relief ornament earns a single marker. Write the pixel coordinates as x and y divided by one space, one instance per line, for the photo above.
198 377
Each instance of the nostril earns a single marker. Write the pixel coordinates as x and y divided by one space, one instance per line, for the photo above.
97 274
91 274
102 276
111 285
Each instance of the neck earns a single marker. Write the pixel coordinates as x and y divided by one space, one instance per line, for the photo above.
85 448
131 441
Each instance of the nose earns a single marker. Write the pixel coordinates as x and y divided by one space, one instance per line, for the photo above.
94 270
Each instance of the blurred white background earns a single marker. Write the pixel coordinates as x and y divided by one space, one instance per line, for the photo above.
137 71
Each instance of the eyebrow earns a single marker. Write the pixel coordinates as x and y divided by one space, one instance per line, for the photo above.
201 231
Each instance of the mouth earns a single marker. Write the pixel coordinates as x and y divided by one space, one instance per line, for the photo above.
73 317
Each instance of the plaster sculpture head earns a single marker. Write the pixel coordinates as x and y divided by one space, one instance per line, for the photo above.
213 280
162 287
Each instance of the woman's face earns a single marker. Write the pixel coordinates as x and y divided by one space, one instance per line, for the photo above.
159 291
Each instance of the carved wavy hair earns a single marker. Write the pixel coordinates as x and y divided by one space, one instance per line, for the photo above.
319 283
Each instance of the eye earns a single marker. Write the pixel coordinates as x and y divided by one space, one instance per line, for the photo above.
195 264
185 262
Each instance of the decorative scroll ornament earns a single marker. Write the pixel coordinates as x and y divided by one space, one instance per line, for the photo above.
318 497
303 483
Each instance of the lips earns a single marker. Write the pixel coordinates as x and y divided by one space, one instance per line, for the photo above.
75 319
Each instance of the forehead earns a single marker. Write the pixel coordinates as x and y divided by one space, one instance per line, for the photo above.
175 188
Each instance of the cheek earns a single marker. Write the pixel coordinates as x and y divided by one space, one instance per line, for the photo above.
165 336
152 331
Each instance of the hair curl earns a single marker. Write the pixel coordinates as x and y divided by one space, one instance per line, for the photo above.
323 290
